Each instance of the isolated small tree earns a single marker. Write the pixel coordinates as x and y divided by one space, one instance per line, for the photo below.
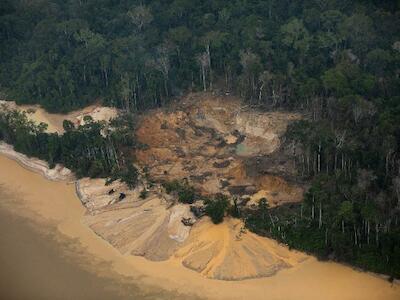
203 61
216 208
68 125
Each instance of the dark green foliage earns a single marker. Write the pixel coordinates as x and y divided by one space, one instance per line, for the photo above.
185 192
129 175
66 54
172 186
234 210
216 208
143 194
84 150
186 195
329 226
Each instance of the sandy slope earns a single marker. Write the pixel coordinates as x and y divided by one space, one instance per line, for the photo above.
55 202
229 252
146 227
152 228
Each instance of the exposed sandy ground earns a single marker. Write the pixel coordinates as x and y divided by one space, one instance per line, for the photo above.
55 202
208 139
229 252
152 228
144 227
55 121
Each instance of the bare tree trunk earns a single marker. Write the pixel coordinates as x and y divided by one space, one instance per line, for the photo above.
335 166
355 236
313 208
105 76
84 73
209 65
319 158
203 73
166 86
326 236
272 221
226 80
320 215
260 93
301 211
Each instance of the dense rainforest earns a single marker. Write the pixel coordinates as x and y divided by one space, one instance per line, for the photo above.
336 61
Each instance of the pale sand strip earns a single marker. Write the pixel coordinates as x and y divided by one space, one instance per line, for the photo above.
55 121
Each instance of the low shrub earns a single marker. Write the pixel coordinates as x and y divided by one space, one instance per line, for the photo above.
216 208
185 192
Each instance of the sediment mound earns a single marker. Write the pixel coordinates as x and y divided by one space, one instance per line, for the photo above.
153 228
229 252
146 227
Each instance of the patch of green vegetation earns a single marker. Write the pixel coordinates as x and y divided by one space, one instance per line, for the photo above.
216 208
331 227
129 175
143 194
234 210
185 192
84 149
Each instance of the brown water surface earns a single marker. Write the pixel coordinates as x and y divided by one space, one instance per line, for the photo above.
42 264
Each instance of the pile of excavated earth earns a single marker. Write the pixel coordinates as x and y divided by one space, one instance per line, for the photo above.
217 145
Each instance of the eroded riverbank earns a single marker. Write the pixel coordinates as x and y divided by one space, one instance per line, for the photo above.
48 202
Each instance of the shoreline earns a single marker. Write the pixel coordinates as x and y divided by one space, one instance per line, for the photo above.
65 175
271 260
58 173
78 191
48 256
308 280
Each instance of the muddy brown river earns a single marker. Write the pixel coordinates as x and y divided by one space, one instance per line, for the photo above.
37 265
47 253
